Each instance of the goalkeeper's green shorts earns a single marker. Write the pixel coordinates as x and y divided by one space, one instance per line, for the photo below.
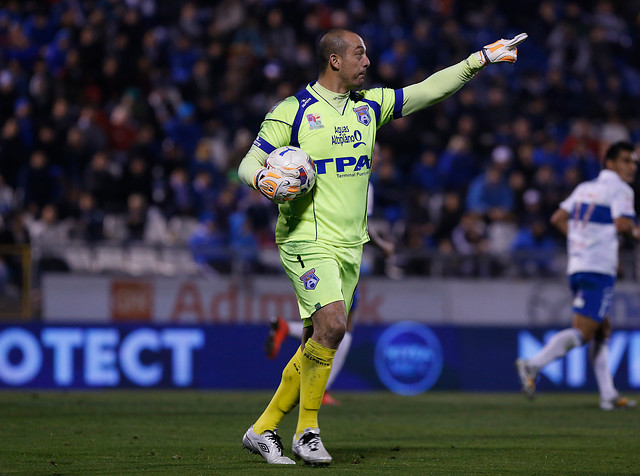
321 274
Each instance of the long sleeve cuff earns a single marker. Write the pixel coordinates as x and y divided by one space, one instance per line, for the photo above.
251 163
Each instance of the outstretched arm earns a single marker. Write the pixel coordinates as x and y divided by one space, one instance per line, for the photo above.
444 83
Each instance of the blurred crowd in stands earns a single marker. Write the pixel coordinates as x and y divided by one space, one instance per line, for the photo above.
125 120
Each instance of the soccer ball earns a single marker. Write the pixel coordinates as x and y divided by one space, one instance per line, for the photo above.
293 162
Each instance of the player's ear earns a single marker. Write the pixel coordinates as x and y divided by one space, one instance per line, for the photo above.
334 62
608 163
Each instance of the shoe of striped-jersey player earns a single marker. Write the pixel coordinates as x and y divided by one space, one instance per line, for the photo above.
527 378
617 403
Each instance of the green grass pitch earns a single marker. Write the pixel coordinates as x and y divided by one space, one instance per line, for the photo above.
199 432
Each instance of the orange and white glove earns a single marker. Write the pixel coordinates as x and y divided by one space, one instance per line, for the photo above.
501 50
275 186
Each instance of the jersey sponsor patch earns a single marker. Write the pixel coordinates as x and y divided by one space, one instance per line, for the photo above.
343 136
362 114
341 165
314 121
310 279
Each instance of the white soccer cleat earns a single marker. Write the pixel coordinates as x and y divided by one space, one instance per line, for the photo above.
527 378
267 445
617 403
309 447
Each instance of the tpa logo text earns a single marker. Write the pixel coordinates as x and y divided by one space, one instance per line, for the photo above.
98 357
342 163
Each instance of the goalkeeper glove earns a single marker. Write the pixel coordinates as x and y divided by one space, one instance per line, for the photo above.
276 187
501 50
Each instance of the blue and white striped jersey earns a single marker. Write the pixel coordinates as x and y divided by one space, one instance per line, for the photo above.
592 241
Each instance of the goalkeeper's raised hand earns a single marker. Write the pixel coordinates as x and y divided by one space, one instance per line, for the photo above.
501 51
275 186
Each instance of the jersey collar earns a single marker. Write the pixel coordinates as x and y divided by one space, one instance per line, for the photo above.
336 100
609 175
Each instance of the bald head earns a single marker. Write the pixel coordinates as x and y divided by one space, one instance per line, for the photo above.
343 61
333 42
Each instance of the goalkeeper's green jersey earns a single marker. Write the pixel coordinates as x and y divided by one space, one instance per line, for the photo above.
341 146
338 132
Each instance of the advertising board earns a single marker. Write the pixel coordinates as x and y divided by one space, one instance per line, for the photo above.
407 358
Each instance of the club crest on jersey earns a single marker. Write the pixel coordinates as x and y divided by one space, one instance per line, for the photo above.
310 279
314 121
362 114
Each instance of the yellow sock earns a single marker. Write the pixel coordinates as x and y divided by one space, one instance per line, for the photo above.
315 368
285 399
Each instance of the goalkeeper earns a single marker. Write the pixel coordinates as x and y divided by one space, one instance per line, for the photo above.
320 235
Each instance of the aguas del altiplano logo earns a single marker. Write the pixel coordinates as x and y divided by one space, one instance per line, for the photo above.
343 136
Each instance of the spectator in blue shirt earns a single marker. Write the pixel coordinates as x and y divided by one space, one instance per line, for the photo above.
533 248
490 194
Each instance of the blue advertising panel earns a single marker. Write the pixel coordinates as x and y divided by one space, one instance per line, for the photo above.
407 358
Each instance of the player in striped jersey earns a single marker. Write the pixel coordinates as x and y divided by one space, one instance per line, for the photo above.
591 218
320 235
